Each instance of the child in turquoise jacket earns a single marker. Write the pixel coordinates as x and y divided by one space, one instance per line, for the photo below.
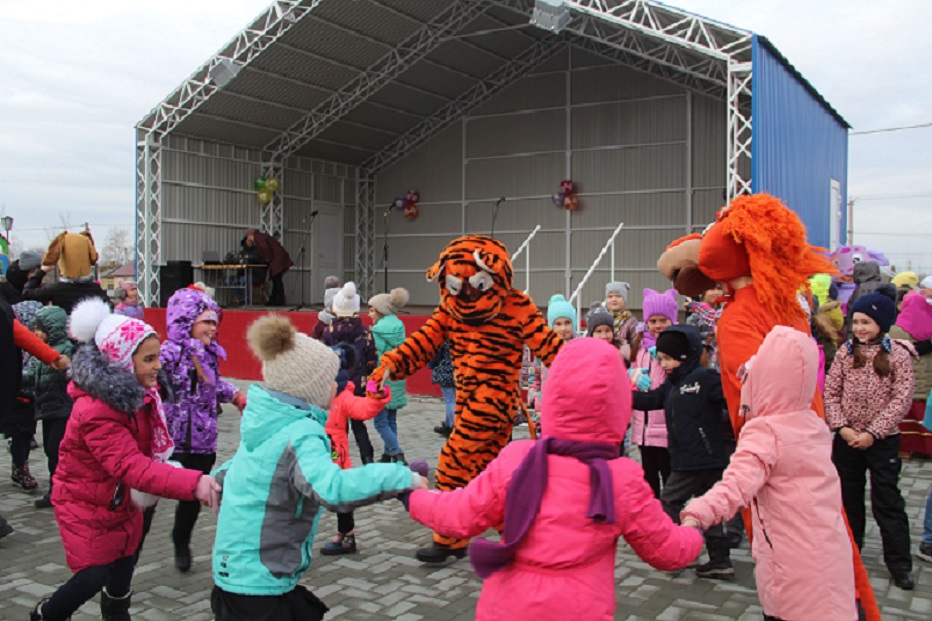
389 333
282 477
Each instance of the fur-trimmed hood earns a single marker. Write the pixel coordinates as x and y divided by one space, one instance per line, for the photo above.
94 375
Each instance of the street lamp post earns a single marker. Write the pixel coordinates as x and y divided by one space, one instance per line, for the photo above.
7 223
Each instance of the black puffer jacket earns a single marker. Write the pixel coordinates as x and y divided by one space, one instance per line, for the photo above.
695 409
63 294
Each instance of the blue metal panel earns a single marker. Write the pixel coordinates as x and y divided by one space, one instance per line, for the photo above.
799 143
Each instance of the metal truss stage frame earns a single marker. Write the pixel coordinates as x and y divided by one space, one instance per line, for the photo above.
696 53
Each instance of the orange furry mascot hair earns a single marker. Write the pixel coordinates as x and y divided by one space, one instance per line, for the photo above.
759 236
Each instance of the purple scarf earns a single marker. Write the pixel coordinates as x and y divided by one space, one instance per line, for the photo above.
526 489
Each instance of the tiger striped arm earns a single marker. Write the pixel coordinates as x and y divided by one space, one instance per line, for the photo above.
416 351
540 339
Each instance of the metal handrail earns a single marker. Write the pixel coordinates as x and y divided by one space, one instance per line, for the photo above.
609 244
527 258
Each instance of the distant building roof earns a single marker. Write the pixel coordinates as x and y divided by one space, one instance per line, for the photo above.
123 271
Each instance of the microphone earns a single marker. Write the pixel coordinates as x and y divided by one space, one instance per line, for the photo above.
315 212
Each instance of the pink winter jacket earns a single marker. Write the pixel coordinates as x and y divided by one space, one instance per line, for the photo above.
783 470
653 431
564 568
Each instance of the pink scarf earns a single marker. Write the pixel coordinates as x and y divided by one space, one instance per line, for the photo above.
162 444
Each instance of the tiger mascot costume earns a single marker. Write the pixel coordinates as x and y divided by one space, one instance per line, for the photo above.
487 323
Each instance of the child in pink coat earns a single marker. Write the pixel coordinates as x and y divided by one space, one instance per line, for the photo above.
568 498
782 469
649 428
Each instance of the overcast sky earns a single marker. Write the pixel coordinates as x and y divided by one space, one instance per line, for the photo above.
75 78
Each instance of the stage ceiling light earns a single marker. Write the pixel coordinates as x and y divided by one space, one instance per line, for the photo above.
224 71
550 15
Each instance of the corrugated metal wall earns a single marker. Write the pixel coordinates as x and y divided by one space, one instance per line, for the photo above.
798 147
209 201
642 151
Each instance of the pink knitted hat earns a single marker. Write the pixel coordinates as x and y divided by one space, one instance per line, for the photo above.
656 303
116 336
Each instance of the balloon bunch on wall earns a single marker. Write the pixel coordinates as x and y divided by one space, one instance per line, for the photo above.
265 188
408 203
566 197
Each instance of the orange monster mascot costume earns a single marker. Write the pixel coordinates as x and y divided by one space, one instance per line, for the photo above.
757 248
487 323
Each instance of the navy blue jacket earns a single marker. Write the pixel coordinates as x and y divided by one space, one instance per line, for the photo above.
695 410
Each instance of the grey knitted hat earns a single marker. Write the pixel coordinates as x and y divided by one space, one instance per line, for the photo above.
598 316
621 288
29 260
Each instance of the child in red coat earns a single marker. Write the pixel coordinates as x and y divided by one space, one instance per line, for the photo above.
112 461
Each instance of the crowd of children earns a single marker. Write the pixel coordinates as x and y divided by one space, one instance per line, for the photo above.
116 404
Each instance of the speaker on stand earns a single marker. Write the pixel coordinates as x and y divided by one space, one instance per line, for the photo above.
176 275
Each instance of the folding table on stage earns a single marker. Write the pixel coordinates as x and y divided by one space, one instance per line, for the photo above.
216 276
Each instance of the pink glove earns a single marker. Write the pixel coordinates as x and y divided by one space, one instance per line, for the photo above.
239 400
373 390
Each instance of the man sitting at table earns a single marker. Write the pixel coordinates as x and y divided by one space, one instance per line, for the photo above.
272 253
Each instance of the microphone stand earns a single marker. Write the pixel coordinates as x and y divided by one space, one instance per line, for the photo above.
308 220
388 222
495 214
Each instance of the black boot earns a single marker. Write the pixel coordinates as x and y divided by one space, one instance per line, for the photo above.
5 528
439 553
115 608
182 557
399 458
36 614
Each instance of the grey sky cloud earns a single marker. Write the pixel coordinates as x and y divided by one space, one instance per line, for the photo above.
78 76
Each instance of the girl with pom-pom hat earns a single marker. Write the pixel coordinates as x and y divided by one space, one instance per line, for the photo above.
282 477
112 461
389 333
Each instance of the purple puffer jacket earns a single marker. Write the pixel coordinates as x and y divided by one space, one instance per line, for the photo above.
350 330
192 413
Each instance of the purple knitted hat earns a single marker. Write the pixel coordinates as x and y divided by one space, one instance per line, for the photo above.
660 304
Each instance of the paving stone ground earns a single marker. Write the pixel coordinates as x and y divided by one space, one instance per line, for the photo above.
383 581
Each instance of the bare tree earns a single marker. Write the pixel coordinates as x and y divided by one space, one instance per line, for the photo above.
116 249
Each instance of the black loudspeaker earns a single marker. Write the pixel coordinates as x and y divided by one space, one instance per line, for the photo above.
176 275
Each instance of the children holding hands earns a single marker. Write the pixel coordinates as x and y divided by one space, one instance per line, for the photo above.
282 477
565 500
782 470
112 461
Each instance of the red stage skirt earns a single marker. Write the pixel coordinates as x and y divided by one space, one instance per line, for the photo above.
914 437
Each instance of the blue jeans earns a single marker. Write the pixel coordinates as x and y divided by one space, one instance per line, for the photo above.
927 524
449 398
386 423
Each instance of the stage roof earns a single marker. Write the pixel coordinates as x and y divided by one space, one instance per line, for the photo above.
363 81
